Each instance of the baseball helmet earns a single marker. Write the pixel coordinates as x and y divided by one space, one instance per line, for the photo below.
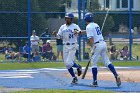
69 15
88 17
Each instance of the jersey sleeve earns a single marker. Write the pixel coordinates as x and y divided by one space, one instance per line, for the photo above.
59 34
90 32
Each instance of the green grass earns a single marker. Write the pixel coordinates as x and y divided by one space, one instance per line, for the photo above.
16 65
63 91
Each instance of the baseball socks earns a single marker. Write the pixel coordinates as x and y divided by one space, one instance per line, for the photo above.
79 68
118 80
75 80
75 65
94 72
112 69
71 72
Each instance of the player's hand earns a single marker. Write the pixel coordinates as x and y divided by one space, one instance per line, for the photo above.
54 33
76 32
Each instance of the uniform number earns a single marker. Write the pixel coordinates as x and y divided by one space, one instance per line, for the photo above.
98 30
70 35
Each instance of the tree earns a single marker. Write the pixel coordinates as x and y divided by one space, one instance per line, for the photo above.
16 24
51 7
94 7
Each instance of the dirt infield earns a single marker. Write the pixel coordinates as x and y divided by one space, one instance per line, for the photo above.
125 75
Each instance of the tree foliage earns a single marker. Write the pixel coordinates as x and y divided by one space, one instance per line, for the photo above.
14 17
14 20
99 18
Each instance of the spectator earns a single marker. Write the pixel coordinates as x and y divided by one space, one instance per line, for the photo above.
36 57
34 42
10 54
26 51
5 48
113 52
59 43
124 53
47 51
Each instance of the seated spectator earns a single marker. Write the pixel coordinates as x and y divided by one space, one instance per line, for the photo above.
26 51
47 51
5 48
113 52
36 57
124 53
10 54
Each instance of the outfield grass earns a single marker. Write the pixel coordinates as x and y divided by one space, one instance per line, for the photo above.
63 91
16 65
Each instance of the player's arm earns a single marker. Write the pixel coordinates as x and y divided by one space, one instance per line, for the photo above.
79 31
90 35
59 35
54 33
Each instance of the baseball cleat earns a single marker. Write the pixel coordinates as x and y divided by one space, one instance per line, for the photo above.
74 81
118 81
95 84
79 70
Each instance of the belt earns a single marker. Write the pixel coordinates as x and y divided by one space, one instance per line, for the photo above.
69 43
98 42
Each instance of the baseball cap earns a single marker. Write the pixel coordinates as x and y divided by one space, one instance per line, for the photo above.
34 31
48 41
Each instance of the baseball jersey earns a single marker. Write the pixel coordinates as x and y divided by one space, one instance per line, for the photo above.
66 32
93 30
34 38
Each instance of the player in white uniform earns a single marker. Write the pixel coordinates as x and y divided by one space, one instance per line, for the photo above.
100 48
66 32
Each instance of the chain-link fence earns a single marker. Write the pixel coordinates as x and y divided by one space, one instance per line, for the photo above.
118 19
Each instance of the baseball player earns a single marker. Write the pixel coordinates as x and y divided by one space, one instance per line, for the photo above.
66 32
99 46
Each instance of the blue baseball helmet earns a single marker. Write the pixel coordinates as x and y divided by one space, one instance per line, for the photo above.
88 17
69 15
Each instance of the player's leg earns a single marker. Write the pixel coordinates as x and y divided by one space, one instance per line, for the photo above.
68 60
109 65
94 62
75 65
107 61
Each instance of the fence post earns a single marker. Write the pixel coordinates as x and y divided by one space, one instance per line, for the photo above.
130 27
29 28
79 38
